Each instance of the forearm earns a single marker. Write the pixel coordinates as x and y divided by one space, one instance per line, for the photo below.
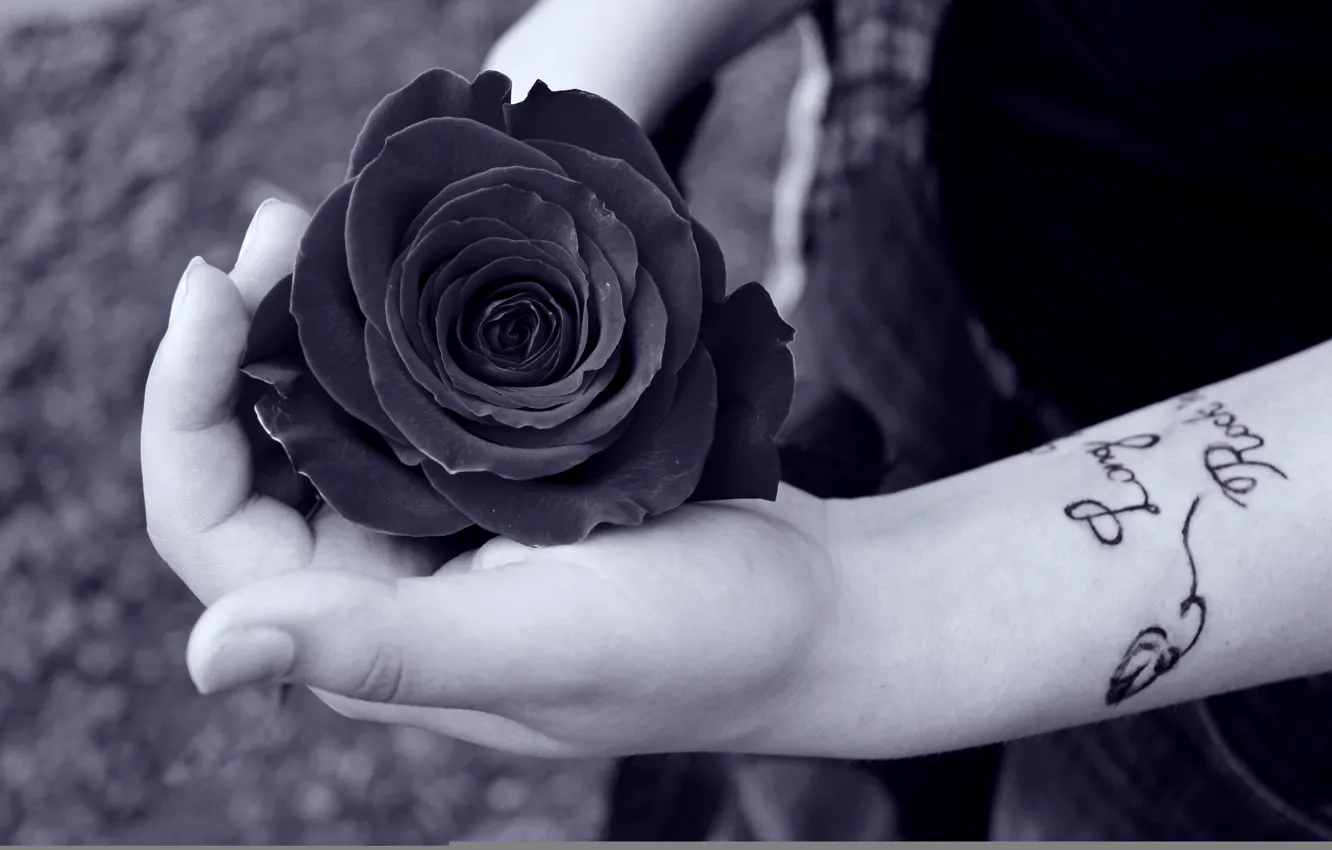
1176 552
642 55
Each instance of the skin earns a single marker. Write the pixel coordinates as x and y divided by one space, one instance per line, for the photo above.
978 608
641 56
1172 553
638 639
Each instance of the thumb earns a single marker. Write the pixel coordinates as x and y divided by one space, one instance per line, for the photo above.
478 640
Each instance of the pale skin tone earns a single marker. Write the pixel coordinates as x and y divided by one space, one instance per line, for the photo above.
1002 602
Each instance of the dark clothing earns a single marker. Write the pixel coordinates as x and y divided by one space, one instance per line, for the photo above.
1135 198
1138 194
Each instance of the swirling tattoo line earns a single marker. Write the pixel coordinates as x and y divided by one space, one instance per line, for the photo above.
1103 521
1153 652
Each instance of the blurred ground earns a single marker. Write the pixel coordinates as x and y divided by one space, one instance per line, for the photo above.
130 141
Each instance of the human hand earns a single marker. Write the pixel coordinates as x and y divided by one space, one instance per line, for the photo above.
702 630
203 515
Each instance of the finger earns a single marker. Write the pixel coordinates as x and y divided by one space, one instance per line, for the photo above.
473 727
268 252
195 460
482 640
344 546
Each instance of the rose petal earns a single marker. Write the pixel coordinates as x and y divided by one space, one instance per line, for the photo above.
651 469
712 264
584 120
454 387
592 123
441 438
603 318
272 356
665 240
547 351
597 227
502 398
748 341
366 485
413 167
273 346
438 93
272 474
645 339
412 271
273 331
328 321
523 210
514 329
755 384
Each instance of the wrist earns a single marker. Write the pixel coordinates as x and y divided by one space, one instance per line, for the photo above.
807 710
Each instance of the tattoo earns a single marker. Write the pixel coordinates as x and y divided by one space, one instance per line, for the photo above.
1101 519
1155 652
1228 461
1044 448
1189 398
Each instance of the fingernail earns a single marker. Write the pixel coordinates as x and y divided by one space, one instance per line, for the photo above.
248 241
182 288
242 656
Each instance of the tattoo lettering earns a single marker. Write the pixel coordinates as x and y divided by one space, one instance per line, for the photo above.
1189 399
1102 520
1229 461
1155 651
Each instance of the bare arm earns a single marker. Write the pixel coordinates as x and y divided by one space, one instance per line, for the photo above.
1176 552
642 55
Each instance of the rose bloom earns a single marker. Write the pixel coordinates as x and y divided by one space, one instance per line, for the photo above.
506 318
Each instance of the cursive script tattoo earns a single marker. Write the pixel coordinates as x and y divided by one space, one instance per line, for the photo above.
1189 399
1102 520
1229 462
1155 651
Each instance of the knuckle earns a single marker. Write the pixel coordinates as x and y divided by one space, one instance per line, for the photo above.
384 678
500 552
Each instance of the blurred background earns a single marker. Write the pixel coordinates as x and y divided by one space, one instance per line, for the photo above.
135 134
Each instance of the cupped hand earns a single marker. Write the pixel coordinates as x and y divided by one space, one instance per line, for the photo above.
700 630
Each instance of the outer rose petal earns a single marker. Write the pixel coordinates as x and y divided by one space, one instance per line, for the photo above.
273 331
439 437
595 124
653 468
364 484
271 469
712 264
586 121
437 93
413 167
330 325
755 383
665 240
273 357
